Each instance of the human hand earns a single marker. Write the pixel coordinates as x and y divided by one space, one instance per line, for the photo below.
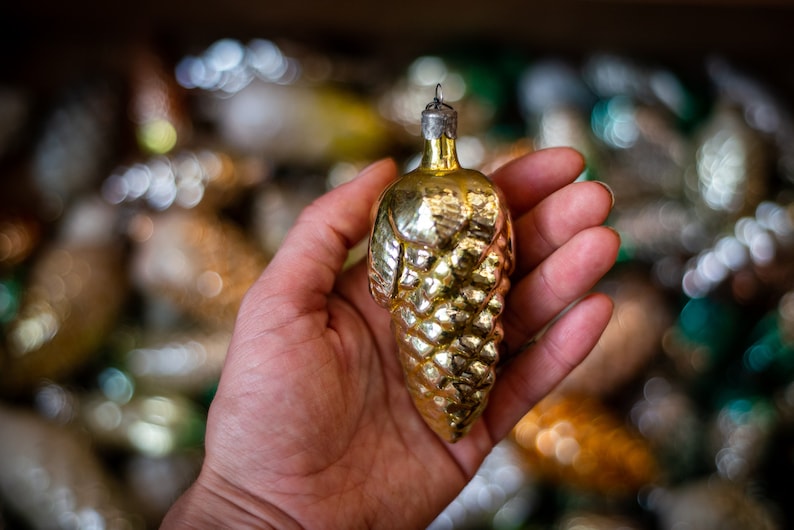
312 425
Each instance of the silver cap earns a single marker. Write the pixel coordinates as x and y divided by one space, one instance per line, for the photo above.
439 120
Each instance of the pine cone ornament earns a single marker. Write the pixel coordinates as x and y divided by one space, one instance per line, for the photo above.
440 256
579 442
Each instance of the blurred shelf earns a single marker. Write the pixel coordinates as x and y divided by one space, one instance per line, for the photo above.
657 26
754 32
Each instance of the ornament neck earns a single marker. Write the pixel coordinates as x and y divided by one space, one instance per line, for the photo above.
440 154
439 129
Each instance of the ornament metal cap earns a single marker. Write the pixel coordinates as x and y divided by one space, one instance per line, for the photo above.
439 119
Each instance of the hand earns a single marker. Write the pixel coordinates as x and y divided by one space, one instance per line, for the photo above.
312 425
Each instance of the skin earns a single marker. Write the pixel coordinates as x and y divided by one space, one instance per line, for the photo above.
312 425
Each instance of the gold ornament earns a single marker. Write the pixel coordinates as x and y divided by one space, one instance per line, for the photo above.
75 291
440 255
577 441
199 262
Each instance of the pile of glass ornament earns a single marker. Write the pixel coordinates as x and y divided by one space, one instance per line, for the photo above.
138 208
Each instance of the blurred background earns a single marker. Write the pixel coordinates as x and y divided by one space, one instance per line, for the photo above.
153 155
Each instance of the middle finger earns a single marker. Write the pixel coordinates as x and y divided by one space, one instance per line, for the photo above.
557 219
565 276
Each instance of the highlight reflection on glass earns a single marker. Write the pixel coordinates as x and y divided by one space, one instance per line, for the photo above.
153 425
186 179
229 66
740 436
613 122
188 363
755 242
669 419
500 495
76 144
730 165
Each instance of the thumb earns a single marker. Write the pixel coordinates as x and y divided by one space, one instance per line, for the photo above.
315 249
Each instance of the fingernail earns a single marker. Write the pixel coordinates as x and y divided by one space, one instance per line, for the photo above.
615 231
609 190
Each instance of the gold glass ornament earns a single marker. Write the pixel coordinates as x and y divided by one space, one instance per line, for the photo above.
199 262
577 441
74 292
440 255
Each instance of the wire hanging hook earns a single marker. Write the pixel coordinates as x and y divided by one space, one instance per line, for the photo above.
438 100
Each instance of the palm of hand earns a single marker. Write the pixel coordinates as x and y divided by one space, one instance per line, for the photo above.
355 432
312 422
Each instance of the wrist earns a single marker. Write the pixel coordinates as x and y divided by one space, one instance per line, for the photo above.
212 502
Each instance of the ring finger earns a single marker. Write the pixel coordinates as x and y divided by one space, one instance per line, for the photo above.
565 276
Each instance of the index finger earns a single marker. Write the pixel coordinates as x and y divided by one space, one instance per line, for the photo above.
527 180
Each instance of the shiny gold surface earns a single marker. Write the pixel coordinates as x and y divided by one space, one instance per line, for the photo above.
579 442
440 255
